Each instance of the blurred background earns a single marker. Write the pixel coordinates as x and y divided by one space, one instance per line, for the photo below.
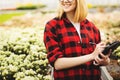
7 4
22 23
11 4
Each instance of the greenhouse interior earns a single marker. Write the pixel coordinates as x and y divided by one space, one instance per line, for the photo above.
23 55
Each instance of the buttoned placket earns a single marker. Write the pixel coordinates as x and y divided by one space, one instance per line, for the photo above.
78 28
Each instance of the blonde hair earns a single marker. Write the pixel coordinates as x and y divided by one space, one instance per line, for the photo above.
80 12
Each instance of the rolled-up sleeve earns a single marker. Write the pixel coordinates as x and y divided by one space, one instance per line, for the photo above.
52 43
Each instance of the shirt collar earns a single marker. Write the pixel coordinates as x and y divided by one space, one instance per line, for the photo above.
64 17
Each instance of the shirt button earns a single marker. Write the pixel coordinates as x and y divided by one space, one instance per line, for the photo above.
78 42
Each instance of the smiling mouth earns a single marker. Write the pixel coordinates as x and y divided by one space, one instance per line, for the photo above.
66 5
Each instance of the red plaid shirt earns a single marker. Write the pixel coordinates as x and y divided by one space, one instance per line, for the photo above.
62 40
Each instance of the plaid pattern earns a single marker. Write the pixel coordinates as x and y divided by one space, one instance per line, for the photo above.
62 40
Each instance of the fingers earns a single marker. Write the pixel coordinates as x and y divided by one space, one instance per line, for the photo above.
98 60
101 46
104 60
95 63
109 52
103 56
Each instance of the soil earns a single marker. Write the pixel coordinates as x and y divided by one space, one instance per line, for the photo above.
114 69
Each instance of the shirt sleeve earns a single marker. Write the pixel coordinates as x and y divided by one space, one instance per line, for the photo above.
97 34
52 43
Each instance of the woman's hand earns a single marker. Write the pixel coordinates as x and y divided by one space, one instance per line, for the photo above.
99 57
104 60
99 48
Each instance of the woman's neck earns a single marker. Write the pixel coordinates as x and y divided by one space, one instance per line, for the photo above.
70 16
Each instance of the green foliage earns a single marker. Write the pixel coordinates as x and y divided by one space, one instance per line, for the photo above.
26 7
30 6
23 56
7 16
117 53
113 34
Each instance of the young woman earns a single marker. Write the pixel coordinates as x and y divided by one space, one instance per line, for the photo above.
73 43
